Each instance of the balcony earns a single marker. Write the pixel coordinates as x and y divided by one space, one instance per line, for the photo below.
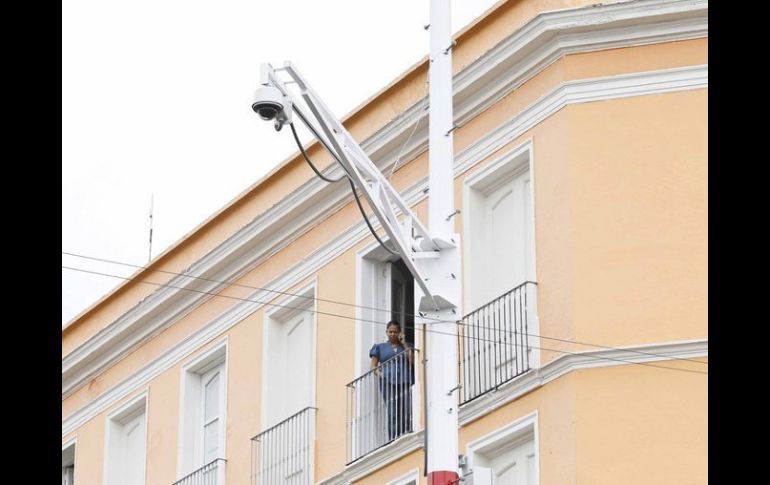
379 408
495 344
210 474
284 452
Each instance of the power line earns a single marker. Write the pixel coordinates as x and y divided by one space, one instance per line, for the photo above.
416 124
503 332
318 312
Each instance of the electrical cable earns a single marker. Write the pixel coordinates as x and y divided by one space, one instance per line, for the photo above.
318 312
414 129
352 188
307 159
502 332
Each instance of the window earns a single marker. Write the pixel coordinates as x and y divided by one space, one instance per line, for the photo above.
203 414
68 464
126 444
283 451
500 339
507 456
386 292
212 406
378 414
499 230
402 298
289 359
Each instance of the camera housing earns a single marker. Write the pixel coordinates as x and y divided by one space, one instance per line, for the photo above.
268 102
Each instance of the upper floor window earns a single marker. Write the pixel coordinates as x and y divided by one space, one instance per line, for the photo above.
203 406
385 293
68 464
499 230
126 444
498 340
289 359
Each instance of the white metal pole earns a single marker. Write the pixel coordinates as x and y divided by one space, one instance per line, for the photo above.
442 340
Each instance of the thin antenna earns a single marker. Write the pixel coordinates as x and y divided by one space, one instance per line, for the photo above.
149 253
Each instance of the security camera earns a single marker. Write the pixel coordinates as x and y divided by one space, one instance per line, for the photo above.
268 102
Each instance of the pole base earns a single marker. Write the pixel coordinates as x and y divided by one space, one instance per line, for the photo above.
443 478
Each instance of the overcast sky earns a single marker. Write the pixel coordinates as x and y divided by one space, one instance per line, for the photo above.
156 102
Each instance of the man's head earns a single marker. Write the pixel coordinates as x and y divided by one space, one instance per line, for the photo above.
392 330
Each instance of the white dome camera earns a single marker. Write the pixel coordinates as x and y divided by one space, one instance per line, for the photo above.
268 102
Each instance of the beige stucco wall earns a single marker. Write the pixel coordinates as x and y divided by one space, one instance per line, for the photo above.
407 464
620 228
640 244
641 425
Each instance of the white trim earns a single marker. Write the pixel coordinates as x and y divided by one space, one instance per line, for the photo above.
129 407
406 478
217 354
309 289
519 57
581 91
568 363
534 314
361 255
505 433
70 442
695 77
377 459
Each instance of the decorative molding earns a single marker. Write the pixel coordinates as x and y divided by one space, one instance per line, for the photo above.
70 442
581 91
567 363
572 92
377 459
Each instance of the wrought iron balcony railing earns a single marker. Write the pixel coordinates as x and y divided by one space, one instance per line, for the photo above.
209 474
379 408
494 342
284 453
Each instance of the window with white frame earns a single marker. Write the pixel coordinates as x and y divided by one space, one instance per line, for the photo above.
203 415
283 451
385 291
498 341
506 456
126 444
289 359
68 464
499 229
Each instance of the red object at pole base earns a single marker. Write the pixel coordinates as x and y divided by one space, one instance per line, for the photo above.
443 478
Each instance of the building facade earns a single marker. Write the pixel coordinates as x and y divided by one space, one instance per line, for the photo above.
241 354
